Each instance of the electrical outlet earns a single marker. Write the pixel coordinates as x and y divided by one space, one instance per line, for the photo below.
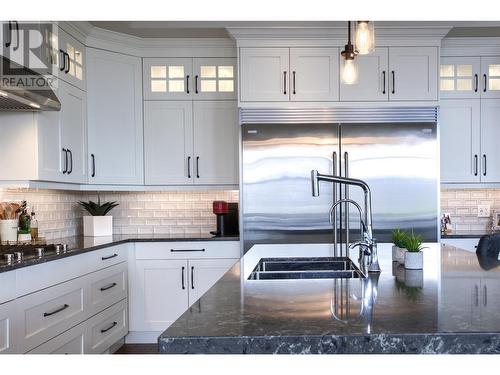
483 210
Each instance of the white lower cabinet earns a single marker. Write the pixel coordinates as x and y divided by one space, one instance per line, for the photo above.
70 342
8 339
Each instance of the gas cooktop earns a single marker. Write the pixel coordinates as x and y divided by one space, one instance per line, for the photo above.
19 253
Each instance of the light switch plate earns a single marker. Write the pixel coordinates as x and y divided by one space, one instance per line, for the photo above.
483 210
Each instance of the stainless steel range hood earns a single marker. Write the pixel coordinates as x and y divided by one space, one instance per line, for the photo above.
18 97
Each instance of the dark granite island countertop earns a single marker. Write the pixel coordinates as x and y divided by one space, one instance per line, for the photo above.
451 306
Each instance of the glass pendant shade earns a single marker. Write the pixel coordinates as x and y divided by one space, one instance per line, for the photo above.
364 38
349 72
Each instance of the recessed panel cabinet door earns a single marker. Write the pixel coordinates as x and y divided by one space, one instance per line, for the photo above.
314 74
490 77
490 136
460 122
372 78
413 73
8 329
168 142
214 78
168 78
264 74
115 147
459 77
215 142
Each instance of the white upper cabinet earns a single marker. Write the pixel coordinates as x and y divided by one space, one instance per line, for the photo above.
372 82
490 77
264 74
168 142
168 78
115 130
460 122
215 142
314 74
413 73
490 136
459 77
71 60
214 78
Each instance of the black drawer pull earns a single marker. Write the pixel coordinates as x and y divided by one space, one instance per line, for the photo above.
109 257
185 250
56 311
108 287
107 329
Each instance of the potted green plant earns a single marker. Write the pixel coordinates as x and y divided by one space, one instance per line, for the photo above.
97 223
414 257
398 248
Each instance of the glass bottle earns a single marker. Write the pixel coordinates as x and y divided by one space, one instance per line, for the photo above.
34 227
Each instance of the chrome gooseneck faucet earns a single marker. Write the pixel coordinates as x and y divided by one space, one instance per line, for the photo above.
368 257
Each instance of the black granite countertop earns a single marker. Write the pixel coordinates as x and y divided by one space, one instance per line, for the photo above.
451 306
80 244
468 233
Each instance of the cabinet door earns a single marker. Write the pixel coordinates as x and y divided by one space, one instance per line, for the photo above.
314 74
459 77
168 78
70 342
168 142
461 309
490 77
8 329
74 131
460 122
214 78
264 74
51 157
373 77
215 142
490 302
413 73
74 67
115 146
160 294
204 273
490 134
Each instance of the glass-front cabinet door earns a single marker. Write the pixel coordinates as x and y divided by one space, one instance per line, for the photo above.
490 77
459 77
168 78
214 78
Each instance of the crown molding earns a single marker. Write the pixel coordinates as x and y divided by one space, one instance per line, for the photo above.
480 46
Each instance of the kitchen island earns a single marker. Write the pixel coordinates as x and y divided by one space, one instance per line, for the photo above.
451 306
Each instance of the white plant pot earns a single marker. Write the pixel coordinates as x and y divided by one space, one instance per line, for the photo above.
97 226
8 230
414 261
400 255
395 250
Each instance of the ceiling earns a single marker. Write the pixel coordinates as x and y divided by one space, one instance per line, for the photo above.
217 29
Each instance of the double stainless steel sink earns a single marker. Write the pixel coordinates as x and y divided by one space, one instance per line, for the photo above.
305 268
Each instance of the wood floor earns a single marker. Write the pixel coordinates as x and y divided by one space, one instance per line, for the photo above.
138 349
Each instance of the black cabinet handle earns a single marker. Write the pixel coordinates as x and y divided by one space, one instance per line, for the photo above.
284 83
187 84
182 278
9 39
197 167
294 83
70 161
65 161
185 250
189 166
93 164
108 287
196 84
476 82
485 82
64 307
109 257
393 82
485 296
63 55
476 295
192 277
107 329
17 36
69 63
475 165
484 165
383 81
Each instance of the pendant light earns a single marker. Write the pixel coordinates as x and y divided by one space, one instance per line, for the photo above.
350 68
364 38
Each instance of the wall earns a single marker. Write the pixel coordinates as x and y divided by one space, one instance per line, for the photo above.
462 205
174 212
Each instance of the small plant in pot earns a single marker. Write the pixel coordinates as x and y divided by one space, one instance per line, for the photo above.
398 249
98 224
414 257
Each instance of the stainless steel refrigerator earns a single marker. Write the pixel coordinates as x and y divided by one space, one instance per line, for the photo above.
394 150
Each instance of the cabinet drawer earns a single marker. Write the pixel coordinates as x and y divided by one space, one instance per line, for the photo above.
69 342
188 250
107 287
50 312
8 286
7 328
107 327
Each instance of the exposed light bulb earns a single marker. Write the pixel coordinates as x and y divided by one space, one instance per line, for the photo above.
364 39
349 72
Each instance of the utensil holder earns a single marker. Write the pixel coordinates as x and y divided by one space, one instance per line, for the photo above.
8 230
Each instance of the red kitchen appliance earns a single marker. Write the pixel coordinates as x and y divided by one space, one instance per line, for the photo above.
227 218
